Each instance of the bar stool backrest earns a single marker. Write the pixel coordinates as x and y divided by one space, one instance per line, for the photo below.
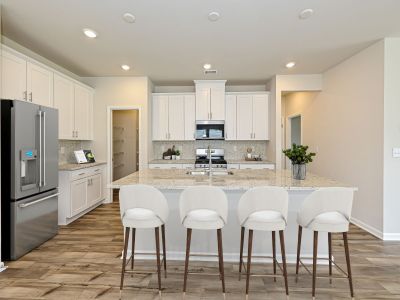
204 197
323 200
263 198
143 196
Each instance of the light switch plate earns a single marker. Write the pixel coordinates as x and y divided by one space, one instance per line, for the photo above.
396 152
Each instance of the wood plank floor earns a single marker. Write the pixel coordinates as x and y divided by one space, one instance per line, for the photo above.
82 262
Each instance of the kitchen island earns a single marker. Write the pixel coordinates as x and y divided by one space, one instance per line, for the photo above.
172 182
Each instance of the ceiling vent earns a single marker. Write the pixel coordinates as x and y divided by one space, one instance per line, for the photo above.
208 72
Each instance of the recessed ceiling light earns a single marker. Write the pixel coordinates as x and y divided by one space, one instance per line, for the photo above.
213 16
306 13
207 66
290 65
90 33
129 18
125 67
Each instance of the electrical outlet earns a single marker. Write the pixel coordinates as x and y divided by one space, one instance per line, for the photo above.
396 152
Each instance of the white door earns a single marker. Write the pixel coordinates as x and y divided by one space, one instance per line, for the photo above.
244 112
64 102
202 103
260 117
83 112
160 118
217 96
78 196
13 77
176 117
230 118
39 84
190 117
94 190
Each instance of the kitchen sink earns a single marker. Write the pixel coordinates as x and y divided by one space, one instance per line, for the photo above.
207 172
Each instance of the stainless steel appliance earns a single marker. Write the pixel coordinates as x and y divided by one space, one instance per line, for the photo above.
217 158
210 130
29 176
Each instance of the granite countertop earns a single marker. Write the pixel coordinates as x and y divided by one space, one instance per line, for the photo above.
73 167
172 161
240 180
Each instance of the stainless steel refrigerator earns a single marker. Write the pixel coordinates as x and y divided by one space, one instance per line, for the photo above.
29 176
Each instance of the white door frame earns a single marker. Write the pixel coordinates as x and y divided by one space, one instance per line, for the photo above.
110 110
288 133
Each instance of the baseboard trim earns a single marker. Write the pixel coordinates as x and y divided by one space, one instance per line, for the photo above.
391 236
372 230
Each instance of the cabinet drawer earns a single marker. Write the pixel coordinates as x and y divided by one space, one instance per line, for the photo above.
82 173
188 166
257 166
165 166
233 166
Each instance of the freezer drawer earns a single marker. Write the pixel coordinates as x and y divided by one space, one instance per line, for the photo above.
33 221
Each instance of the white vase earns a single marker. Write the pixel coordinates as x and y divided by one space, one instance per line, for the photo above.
173 156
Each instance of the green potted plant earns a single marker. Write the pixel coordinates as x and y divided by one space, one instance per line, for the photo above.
177 154
299 157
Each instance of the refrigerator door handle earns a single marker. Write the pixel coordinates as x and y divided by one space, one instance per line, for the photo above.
37 201
40 149
44 148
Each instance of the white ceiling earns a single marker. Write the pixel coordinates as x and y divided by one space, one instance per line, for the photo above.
172 39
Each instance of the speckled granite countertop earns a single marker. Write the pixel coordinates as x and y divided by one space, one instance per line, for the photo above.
240 180
73 167
172 161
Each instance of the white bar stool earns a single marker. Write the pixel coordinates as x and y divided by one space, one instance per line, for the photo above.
143 206
204 208
326 210
264 209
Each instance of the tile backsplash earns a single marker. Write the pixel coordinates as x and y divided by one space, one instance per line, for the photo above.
233 149
66 150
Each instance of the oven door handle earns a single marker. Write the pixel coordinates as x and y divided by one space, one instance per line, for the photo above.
37 201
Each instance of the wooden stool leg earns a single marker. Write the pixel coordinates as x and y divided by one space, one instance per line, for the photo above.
188 238
127 229
314 277
157 234
274 253
164 249
346 249
133 249
221 259
298 251
283 252
330 256
250 246
241 251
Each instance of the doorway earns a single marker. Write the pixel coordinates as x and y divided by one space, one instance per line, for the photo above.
293 134
125 142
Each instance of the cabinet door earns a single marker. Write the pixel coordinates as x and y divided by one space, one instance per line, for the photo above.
190 117
64 102
176 117
78 196
13 77
160 117
83 107
202 103
39 84
94 189
230 118
260 117
244 127
217 103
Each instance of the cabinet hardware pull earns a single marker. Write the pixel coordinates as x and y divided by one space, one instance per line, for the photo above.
25 95
30 96
210 115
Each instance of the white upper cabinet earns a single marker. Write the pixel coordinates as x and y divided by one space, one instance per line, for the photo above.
64 102
83 112
39 84
210 99
170 122
13 77
230 117
252 117
190 117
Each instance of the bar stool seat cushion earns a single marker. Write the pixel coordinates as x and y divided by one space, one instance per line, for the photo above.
141 218
265 220
203 219
329 222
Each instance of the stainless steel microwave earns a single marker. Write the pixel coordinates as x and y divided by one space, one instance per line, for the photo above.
210 130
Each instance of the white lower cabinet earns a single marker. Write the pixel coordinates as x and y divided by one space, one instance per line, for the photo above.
80 191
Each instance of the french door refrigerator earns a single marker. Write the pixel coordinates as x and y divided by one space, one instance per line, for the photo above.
29 176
